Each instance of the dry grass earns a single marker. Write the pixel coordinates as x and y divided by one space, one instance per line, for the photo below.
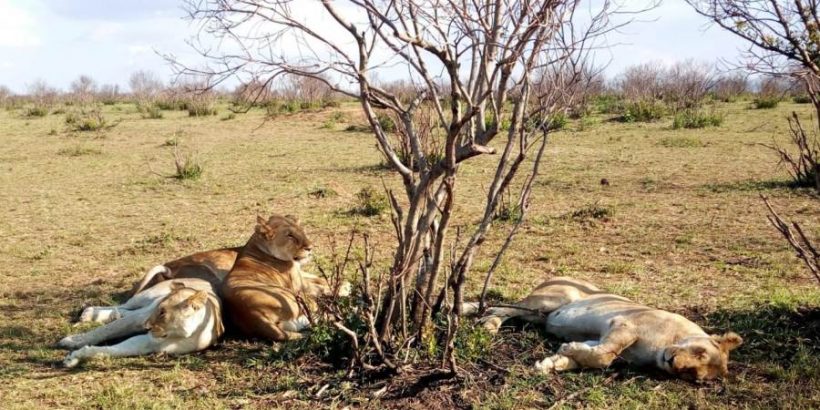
684 230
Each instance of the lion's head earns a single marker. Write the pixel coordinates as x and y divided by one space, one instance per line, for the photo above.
700 358
179 314
283 238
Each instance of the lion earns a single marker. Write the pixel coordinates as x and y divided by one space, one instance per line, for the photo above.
213 265
603 327
262 290
181 316
210 265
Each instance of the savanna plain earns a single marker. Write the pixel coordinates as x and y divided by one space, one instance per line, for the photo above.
680 226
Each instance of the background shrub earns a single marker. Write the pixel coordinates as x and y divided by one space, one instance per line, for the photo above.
86 120
766 102
696 119
642 111
370 202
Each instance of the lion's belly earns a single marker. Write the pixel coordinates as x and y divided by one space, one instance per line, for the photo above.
586 319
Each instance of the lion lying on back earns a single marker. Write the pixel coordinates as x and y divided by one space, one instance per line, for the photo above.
604 326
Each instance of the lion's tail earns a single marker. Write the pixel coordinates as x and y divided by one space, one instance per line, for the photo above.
156 270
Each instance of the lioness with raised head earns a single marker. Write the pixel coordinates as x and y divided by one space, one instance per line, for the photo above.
180 316
261 291
604 326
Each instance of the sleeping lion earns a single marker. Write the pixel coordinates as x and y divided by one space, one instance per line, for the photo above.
603 327
175 317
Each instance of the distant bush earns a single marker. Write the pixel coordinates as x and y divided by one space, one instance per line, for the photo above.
802 99
228 116
386 123
149 111
490 120
558 121
766 102
642 111
36 111
608 104
731 87
370 202
86 120
201 108
694 118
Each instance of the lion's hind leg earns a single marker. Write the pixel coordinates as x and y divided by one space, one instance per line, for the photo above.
533 309
267 312
106 314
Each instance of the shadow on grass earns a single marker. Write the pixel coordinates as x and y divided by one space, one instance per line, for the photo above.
754 186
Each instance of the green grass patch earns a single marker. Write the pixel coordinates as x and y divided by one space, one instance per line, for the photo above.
680 142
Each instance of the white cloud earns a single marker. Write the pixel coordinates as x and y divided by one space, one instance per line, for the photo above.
17 26
139 49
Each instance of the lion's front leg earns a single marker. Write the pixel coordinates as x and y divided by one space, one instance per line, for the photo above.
135 346
601 354
125 326
556 363
317 286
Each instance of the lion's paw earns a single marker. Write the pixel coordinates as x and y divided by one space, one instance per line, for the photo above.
545 366
71 342
87 315
567 349
70 361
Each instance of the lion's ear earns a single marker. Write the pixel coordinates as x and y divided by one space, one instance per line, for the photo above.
197 300
292 218
262 225
177 286
728 341
699 351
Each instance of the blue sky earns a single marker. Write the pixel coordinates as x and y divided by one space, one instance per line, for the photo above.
58 40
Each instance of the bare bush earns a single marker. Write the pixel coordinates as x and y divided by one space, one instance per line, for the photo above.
686 84
803 165
109 94
5 96
642 82
309 90
42 98
800 243
782 37
83 89
729 88
145 86
252 93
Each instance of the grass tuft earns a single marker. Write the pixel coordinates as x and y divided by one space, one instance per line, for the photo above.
369 202
679 142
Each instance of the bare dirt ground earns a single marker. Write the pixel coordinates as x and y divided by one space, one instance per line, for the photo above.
681 226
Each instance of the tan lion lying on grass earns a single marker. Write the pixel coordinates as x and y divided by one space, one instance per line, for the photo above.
180 316
603 326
